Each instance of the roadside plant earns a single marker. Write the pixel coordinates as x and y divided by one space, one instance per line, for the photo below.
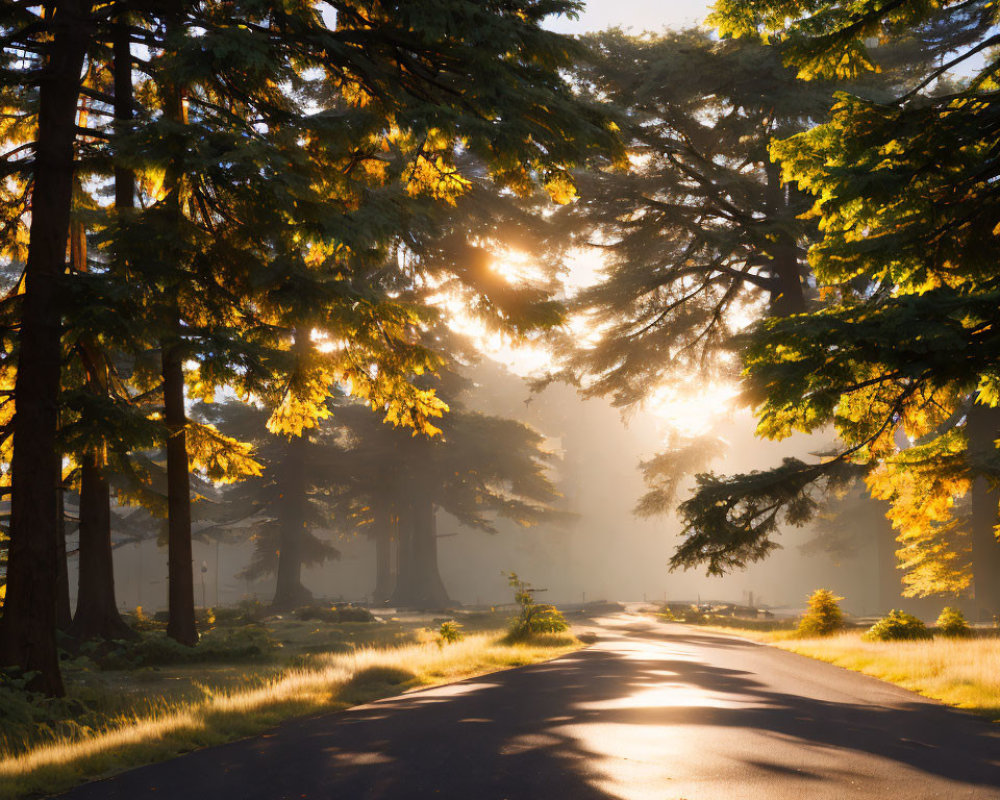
533 617
952 623
823 615
897 626
450 632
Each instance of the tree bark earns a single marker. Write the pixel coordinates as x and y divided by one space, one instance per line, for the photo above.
180 562
787 296
64 613
97 614
124 106
181 624
419 583
983 428
289 592
27 633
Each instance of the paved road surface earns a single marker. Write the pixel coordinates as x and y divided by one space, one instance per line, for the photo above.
651 712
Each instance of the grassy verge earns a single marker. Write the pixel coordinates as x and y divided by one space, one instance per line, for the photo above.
959 672
216 703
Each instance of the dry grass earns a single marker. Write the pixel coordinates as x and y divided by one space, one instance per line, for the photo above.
960 672
330 681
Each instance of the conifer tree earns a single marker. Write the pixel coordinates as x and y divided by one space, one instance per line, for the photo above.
416 78
907 205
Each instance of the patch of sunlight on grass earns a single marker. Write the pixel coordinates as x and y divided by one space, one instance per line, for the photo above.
329 681
753 635
960 672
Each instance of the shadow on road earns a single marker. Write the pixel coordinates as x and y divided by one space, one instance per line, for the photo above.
651 694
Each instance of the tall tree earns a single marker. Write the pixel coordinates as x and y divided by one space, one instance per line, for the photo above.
905 193
695 231
27 631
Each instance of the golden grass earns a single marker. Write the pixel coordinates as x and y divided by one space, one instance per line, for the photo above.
330 681
960 672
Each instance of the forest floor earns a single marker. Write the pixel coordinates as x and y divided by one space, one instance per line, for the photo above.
958 672
144 701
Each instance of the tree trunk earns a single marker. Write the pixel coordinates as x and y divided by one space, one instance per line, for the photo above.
64 613
983 428
96 610
180 570
289 592
787 296
27 633
124 177
382 534
419 584
180 562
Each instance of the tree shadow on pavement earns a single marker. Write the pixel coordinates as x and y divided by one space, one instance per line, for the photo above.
526 734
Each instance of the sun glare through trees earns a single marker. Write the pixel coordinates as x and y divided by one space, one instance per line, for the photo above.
349 347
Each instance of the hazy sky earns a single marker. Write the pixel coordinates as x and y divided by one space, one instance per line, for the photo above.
640 15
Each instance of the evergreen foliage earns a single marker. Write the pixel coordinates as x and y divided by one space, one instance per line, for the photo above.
900 359
952 622
823 616
269 163
897 626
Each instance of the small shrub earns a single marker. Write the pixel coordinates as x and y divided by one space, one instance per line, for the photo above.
666 614
952 623
897 626
823 616
692 615
141 621
450 632
349 613
533 617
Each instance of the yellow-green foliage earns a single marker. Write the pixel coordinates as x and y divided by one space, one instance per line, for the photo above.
823 616
534 617
450 632
897 626
952 622
960 672
327 681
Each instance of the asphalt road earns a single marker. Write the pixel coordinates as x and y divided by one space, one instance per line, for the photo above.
652 710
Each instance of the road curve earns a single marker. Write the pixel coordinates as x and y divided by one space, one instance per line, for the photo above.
652 711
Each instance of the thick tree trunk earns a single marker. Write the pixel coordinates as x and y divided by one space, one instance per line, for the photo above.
383 552
289 592
983 427
97 614
787 296
180 570
27 633
419 584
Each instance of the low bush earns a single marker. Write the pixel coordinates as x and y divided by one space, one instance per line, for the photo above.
450 632
140 621
533 617
953 623
897 626
823 615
